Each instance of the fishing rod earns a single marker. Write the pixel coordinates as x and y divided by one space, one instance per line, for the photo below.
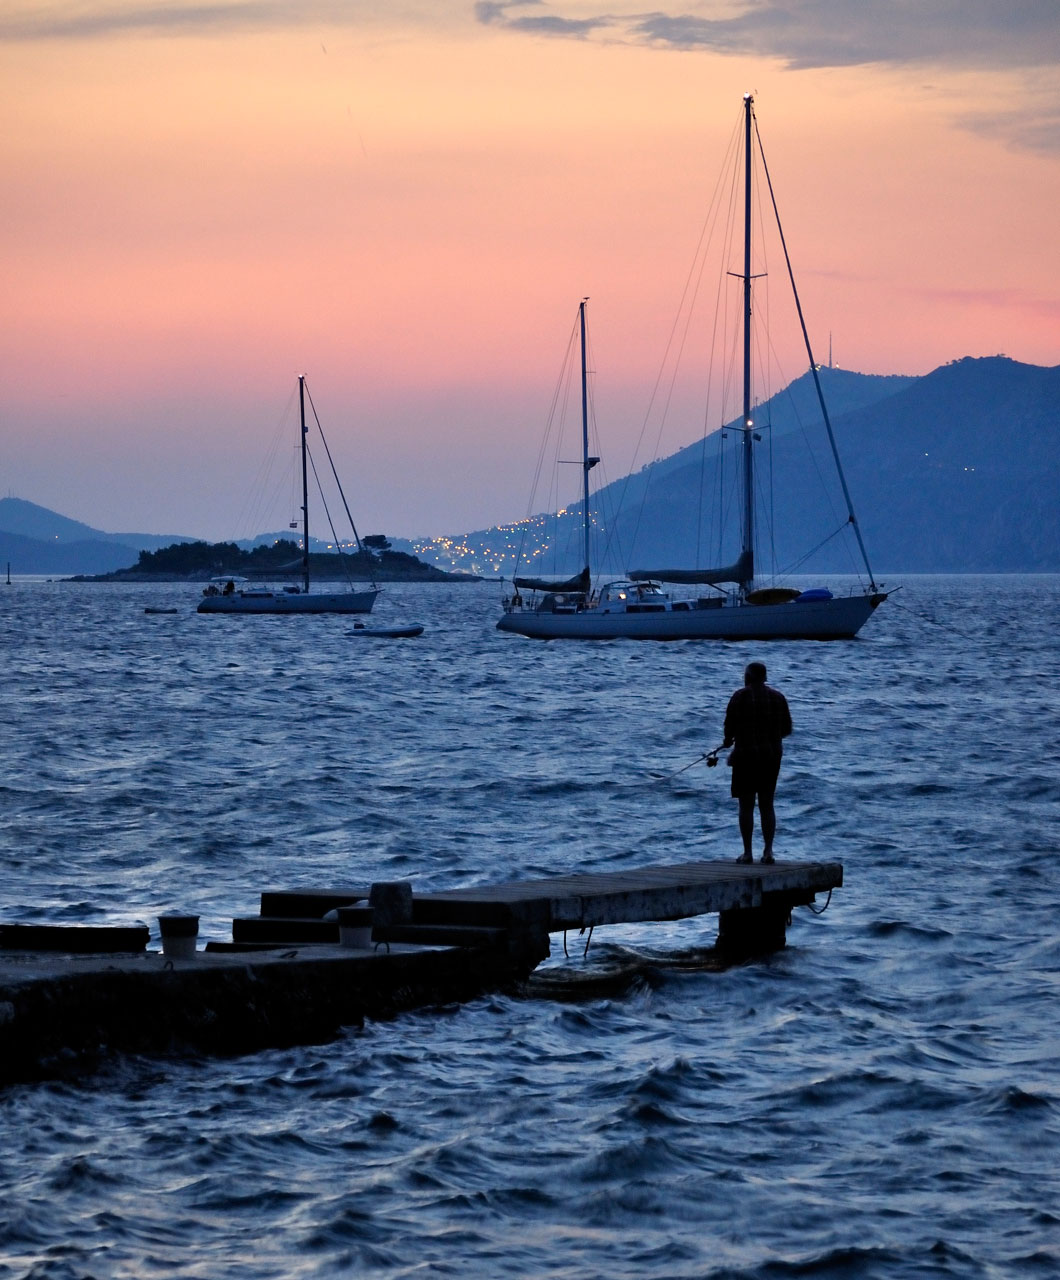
711 757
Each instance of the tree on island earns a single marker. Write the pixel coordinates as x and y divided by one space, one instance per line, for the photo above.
198 557
226 559
188 557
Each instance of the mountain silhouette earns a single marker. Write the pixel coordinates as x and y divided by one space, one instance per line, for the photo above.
957 471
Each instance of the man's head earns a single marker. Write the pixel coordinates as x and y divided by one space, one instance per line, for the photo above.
755 673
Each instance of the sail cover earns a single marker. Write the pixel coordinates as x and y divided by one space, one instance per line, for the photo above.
580 582
741 571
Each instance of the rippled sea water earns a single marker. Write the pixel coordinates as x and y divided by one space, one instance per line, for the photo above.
881 1099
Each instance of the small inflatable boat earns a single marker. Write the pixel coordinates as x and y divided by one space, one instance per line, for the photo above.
390 633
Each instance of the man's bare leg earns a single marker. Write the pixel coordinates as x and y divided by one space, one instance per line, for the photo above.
747 826
769 826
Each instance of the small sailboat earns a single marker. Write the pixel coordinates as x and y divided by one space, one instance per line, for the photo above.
639 608
293 598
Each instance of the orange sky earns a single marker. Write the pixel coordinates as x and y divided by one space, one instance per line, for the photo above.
200 204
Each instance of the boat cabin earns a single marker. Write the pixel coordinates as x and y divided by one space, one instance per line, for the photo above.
562 602
633 597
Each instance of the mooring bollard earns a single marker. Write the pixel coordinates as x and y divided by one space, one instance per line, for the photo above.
179 934
355 927
391 902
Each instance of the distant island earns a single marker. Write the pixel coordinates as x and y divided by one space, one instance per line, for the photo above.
376 561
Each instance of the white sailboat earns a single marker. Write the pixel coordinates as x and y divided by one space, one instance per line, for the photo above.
293 598
638 608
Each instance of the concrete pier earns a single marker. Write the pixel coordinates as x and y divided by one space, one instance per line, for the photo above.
60 1014
752 900
284 979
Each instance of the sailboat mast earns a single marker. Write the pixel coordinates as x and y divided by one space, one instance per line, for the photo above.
748 423
587 463
305 487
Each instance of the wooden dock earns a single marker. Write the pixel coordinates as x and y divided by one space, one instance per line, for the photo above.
285 977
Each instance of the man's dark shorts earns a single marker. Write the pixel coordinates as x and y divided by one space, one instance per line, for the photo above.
755 773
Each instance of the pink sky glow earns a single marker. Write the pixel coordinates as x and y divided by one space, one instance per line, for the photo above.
406 204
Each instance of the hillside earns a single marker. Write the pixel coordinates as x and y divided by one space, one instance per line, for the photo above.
956 471
34 539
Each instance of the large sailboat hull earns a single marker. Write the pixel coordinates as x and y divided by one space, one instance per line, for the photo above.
840 618
290 602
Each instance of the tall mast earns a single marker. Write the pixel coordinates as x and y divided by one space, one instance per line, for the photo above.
747 556
305 487
586 462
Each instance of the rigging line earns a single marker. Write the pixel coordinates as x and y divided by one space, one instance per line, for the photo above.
700 493
826 494
560 394
686 308
335 475
592 434
793 568
264 488
813 363
772 496
719 502
707 432
734 309
825 489
603 517
729 498
726 376
566 526
609 556
764 348
801 423
924 617
324 503
762 496
720 369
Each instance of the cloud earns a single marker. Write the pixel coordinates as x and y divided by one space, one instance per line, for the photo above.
1003 37
85 21
1033 123
802 33
819 33
499 13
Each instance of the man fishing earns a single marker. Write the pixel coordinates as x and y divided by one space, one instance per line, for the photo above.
757 720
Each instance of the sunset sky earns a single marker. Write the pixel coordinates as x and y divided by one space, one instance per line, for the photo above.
406 200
